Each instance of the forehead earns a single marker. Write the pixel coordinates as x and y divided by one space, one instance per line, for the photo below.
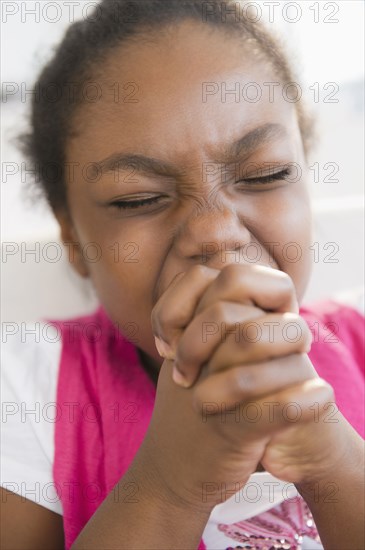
191 87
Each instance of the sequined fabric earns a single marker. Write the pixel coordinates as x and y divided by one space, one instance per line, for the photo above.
281 528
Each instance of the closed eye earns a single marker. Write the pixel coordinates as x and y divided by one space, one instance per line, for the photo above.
270 178
123 205
260 180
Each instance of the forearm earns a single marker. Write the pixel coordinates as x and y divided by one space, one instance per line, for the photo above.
153 520
337 503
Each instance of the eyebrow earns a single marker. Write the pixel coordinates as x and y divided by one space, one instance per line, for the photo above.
120 161
229 154
250 141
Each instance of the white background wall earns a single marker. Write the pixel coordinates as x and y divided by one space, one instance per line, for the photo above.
328 51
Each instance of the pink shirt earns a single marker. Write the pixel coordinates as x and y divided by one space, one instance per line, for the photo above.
107 398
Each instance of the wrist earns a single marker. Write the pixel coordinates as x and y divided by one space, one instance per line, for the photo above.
344 468
164 495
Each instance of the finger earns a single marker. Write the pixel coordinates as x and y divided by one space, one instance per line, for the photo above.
253 381
175 308
295 404
207 331
264 287
262 339
263 417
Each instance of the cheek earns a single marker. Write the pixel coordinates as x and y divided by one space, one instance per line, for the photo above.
295 252
286 233
124 290
125 270
124 277
128 261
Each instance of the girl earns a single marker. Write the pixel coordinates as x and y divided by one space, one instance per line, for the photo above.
193 408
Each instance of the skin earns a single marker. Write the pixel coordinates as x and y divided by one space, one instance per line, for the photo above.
169 294
171 123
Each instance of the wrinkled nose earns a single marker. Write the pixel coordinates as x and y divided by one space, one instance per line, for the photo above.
214 237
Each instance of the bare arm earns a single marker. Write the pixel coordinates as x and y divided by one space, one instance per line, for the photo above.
337 501
26 525
156 520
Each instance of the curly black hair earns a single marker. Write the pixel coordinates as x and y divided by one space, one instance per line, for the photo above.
86 42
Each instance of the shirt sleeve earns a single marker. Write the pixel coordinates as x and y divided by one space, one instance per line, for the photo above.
30 358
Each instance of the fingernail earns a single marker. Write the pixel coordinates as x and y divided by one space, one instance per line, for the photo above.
179 378
164 349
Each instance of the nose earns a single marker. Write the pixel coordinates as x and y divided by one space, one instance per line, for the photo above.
214 236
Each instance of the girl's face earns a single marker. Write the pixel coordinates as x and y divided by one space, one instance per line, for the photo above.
167 127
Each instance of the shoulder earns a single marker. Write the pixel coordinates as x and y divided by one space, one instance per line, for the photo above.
32 354
88 331
30 361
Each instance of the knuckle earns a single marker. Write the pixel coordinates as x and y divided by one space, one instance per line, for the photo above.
198 271
328 391
160 318
165 318
304 366
233 272
286 282
306 335
319 391
218 313
243 382
295 330
250 333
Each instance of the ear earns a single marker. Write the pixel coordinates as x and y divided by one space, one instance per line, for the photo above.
71 241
